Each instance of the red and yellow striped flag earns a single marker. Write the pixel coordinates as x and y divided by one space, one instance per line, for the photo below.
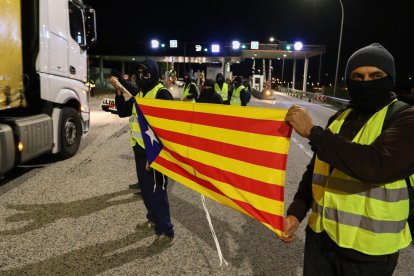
232 154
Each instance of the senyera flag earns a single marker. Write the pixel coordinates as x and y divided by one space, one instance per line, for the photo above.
235 155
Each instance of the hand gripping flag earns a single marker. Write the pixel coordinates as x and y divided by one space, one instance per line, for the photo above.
232 154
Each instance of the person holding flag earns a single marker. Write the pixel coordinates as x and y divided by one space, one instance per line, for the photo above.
358 181
153 184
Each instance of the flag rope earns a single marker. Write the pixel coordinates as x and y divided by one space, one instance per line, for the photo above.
213 233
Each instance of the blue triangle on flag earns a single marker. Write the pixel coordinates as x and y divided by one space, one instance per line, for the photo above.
153 144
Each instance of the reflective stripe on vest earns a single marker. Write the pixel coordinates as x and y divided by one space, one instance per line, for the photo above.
136 136
235 98
365 217
224 91
186 92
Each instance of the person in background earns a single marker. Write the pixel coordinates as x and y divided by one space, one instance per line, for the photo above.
355 184
222 87
238 96
190 90
153 184
246 84
201 78
208 94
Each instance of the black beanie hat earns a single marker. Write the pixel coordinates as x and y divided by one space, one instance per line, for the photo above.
373 55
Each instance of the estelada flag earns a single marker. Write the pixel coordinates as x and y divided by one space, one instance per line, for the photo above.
235 155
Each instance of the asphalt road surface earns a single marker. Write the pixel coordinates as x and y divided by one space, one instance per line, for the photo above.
78 217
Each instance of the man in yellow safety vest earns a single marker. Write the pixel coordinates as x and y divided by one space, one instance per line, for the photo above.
153 184
190 90
355 184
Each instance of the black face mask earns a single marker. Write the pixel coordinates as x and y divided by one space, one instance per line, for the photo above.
144 84
370 96
144 79
220 81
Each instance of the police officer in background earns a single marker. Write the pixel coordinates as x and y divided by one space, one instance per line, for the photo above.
238 96
190 90
153 184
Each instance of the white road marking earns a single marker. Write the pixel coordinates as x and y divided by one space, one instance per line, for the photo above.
302 147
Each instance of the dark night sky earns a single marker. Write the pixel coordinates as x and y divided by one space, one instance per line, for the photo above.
125 27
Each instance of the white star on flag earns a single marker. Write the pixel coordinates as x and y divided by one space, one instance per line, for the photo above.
151 134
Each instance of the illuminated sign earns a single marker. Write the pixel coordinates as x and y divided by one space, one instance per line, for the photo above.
198 48
155 43
236 45
215 48
254 45
173 43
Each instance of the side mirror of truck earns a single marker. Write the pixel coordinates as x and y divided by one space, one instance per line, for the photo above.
82 21
90 26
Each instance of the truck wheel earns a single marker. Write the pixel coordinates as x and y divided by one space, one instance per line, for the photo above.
70 132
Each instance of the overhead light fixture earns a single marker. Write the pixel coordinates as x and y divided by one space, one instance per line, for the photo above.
215 48
155 44
298 46
236 45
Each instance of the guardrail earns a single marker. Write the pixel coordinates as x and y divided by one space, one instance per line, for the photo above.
312 97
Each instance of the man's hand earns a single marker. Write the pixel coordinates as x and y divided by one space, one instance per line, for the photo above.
115 83
290 226
300 119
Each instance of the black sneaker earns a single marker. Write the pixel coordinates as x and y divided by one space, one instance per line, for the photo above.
134 186
161 243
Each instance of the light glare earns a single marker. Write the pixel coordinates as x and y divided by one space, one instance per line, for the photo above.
155 44
236 45
298 46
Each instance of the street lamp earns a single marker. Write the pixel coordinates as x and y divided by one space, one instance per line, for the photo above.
283 66
339 47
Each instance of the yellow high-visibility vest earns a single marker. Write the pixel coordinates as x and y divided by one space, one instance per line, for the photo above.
362 216
235 98
186 92
136 137
224 91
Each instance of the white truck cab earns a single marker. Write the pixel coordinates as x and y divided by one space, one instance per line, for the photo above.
44 102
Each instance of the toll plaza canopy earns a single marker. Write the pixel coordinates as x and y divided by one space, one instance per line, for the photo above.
264 52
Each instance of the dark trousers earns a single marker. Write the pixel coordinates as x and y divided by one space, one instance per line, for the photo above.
324 258
136 154
154 194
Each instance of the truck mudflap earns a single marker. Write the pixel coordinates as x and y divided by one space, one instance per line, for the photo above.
7 149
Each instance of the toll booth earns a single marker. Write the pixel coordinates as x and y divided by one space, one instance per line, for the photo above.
257 82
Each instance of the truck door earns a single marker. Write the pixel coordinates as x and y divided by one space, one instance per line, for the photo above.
58 38
77 55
